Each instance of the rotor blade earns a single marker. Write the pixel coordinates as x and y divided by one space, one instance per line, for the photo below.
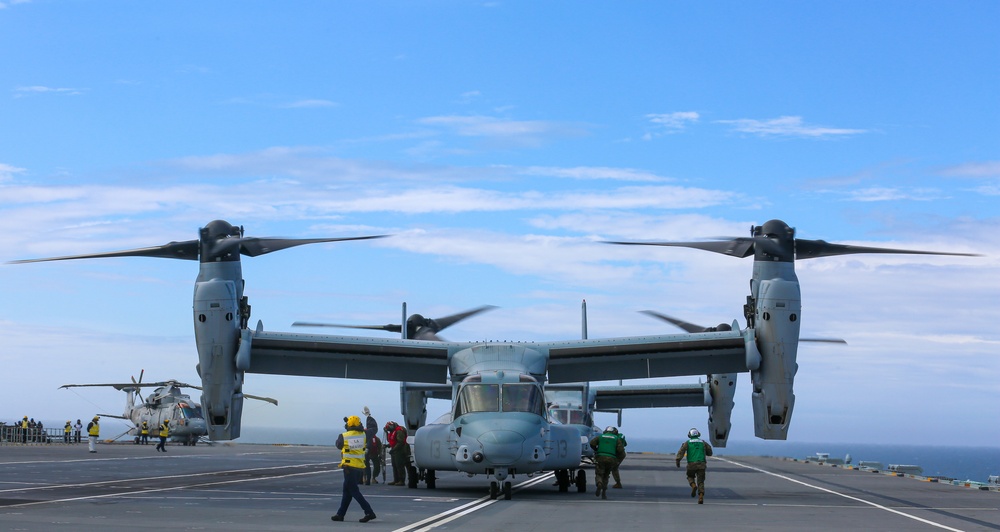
810 249
737 247
126 385
447 321
265 399
253 246
824 340
388 327
187 250
689 327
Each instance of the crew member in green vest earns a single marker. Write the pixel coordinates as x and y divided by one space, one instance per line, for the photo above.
608 451
696 451
614 471
352 448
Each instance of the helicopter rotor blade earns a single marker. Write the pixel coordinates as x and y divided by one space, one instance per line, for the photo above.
810 249
448 321
254 246
187 250
741 247
388 327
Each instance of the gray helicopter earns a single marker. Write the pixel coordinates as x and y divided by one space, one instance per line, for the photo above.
164 403
497 426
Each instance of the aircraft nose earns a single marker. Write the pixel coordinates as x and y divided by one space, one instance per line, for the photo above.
502 445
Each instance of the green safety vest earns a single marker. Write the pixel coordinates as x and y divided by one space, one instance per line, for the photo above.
607 445
696 450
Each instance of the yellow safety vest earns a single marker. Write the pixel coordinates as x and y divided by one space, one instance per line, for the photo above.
354 449
145 429
67 428
24 424
95 429
164 430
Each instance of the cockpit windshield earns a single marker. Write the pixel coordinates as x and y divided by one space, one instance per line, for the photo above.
526 397
523 398
574 397
568 416
190 412
478 398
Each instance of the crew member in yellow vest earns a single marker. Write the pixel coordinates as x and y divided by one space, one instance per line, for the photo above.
164 432
67 430
93 432
352 448
144 435
24 430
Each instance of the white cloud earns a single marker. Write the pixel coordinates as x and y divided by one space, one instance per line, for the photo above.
41 89
672 122
529 133
593 172
871 194
981 169
308 104
786 126
7 172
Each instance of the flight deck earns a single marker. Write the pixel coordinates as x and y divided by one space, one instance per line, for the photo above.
265 487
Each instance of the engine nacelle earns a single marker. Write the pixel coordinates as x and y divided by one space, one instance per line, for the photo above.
722 387
217 333
779 307
413 404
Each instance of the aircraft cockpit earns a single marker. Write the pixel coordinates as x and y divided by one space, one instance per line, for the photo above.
477 394
190 412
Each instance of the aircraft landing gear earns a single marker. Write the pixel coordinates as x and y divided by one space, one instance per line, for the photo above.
581 481
562 480
429 478
494 489
506 490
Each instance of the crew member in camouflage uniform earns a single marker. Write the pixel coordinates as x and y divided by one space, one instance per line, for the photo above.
696 451
614 470
608 451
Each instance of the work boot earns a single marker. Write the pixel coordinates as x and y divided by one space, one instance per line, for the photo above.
336 517
604 493
597 493
366 518
701 498
694 489
618 485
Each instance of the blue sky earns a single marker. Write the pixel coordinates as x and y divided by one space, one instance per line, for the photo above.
498 142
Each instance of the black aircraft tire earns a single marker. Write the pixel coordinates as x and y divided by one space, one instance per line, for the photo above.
494 490
506 490
431 479
581 481
562 477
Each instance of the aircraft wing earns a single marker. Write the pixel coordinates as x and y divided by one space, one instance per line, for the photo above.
652 396
647 356
349 357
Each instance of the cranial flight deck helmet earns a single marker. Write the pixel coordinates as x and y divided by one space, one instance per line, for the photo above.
693 433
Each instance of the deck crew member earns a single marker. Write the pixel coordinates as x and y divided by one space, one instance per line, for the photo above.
93 432
608 451
697 451
164 432
352 447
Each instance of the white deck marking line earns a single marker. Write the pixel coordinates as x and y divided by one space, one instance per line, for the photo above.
448 516
156 490
844 495
167 477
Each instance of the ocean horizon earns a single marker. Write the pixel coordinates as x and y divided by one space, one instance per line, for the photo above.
957 462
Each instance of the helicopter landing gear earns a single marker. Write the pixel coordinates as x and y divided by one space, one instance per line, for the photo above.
494 489
581 481
506 490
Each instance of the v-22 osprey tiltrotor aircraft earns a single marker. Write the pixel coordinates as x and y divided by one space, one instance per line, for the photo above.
497 425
